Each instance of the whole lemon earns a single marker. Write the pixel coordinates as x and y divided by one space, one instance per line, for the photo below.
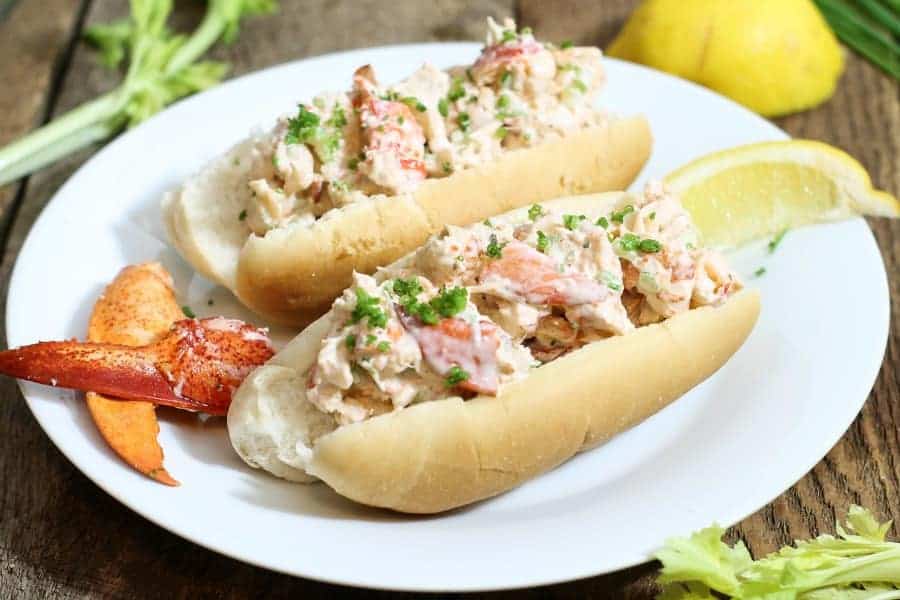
773 56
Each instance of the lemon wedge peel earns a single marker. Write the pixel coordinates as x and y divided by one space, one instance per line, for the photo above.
757 190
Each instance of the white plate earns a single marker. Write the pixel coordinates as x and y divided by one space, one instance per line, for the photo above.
718 454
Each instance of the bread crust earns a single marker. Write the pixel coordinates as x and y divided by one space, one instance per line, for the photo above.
293 273
439 455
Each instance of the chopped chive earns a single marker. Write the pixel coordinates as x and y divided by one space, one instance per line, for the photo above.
464 121
776 241
455 376
759 272
535 212
580 86
494 248
571 222
543 242
242 215
649 246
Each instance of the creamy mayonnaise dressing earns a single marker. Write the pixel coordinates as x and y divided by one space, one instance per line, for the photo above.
374 140
476 307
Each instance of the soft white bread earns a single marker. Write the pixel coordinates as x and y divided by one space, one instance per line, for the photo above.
439 455
293 273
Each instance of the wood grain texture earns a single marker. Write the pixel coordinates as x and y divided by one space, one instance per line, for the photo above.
61 537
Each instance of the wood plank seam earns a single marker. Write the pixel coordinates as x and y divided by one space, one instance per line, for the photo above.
60 69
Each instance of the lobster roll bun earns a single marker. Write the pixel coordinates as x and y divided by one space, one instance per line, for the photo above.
352 181
495 352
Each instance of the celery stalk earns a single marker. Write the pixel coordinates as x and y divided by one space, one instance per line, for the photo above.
162 68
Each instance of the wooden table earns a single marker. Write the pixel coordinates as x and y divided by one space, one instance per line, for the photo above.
60 536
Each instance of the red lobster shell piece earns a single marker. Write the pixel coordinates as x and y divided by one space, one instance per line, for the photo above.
196 366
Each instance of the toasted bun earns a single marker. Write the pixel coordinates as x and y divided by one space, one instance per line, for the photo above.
439 455
293 273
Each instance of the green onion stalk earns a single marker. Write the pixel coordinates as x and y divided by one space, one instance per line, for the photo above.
870 27
163 67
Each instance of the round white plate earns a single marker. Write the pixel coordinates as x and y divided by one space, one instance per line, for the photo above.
718 454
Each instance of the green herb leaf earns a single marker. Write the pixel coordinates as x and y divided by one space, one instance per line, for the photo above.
759 272
457 90
414 103
455 376
566 44
338 119
350 341
611 281
188 312
776 241
629 242
603 222
508 36
464 121
443 107
423 310
383 346
506 79
649 246
303 127
243 215
450 302
494 249
619 216
543 242
501 132
580 86
535 212
367 307
407 287
571 222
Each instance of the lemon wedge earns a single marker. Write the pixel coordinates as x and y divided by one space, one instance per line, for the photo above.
758 190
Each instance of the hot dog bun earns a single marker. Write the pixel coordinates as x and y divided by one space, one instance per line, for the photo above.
439 455
293 273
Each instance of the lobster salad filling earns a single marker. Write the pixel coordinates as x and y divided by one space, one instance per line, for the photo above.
477 307
386 140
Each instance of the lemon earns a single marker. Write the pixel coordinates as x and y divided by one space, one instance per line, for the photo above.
773 56
758 190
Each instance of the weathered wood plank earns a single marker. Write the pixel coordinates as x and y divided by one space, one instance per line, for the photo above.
34 43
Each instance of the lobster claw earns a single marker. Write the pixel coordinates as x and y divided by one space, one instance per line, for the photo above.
196 366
